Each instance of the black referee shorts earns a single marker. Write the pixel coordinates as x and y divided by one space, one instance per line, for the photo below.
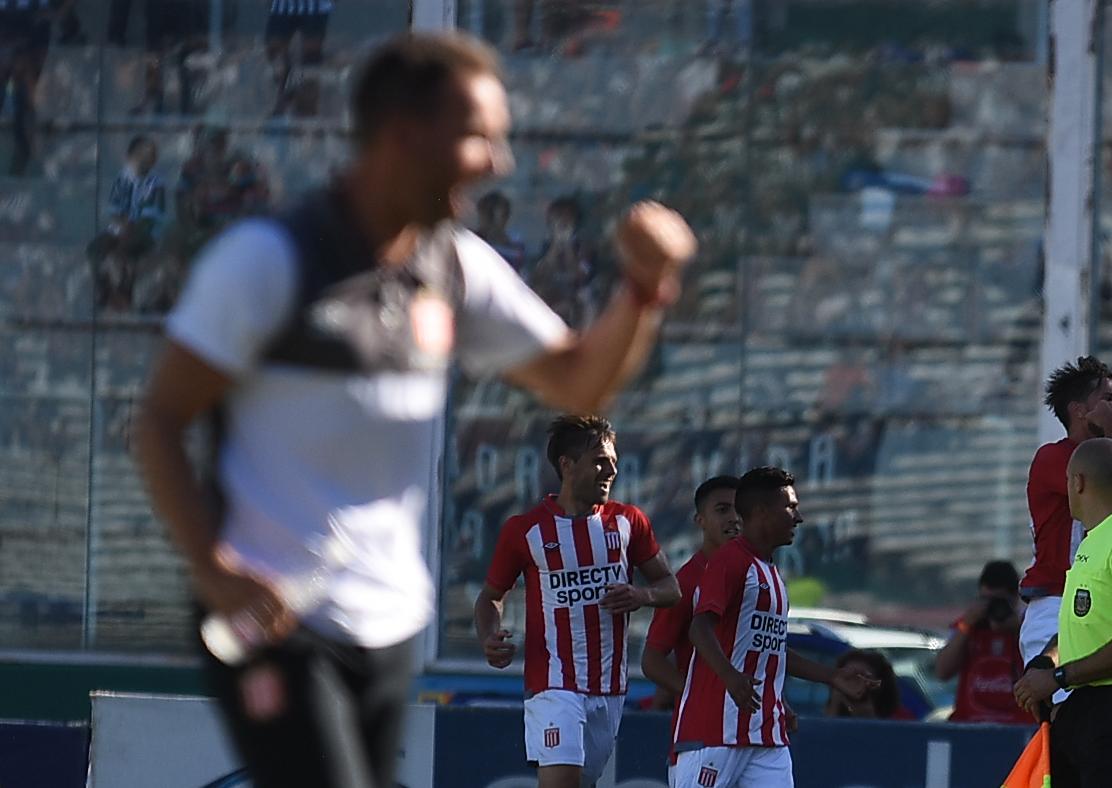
1081 740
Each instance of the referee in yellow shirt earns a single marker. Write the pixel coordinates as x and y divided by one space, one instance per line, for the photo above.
1081 659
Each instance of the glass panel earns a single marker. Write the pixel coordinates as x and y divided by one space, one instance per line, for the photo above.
243 110
867 180
892 344
244 114
44 485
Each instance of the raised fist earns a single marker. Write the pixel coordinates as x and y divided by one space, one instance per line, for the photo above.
655 244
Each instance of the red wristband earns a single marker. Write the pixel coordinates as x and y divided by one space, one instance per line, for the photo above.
963 626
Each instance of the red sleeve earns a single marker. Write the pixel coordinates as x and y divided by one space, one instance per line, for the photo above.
670 624
509 557
642 541
1048 471
721 583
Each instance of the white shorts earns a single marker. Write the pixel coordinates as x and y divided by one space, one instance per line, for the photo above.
1040 624
569 728
734 767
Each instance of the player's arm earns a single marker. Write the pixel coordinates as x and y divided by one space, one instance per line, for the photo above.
582 373
661 670
506 565
1051 649
181 389
494 639
952 656
848 682
663 589
741 686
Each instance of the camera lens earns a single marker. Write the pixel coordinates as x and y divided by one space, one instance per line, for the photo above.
999 609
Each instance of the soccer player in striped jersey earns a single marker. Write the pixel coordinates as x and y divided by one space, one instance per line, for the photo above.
732 729
576 550
668 649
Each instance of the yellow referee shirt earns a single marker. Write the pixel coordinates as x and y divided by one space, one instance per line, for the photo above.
1085 620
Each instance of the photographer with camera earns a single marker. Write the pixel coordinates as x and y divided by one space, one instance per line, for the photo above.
984 651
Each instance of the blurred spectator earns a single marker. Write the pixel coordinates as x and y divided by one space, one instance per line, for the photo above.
176 29
25 30
880 703
729 22
984 651
564 274
565 25
216 187
494 210
136 213
287 19
119 11
847 385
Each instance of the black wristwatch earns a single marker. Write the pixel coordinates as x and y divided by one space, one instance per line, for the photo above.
1060 677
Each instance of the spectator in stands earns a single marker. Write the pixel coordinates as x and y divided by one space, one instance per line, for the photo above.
1080 395
287 19
718 32
566 25
983 651
176 29
494 215
25 31
564 274
883 702
136 214
216 187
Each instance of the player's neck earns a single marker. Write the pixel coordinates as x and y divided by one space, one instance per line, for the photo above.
762 550
1099 514
573 506
1079 433
391 236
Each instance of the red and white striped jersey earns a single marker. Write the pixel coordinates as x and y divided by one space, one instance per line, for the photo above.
570 642
752 604
670 625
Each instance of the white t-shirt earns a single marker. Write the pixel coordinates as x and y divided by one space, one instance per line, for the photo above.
308 451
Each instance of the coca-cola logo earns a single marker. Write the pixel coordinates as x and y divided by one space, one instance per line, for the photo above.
991 684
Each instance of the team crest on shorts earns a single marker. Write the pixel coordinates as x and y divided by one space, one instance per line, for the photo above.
551 737
708 776
1082 602
613 540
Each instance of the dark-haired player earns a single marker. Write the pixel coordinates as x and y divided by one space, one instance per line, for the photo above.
732 730
324 338
577 550
667 652
1080 395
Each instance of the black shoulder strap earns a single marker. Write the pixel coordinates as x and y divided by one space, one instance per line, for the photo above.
327 249
345 315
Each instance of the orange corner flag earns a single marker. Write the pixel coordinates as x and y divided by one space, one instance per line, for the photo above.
1032 770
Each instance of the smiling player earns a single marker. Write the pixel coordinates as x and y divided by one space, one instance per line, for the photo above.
732 730
576 550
